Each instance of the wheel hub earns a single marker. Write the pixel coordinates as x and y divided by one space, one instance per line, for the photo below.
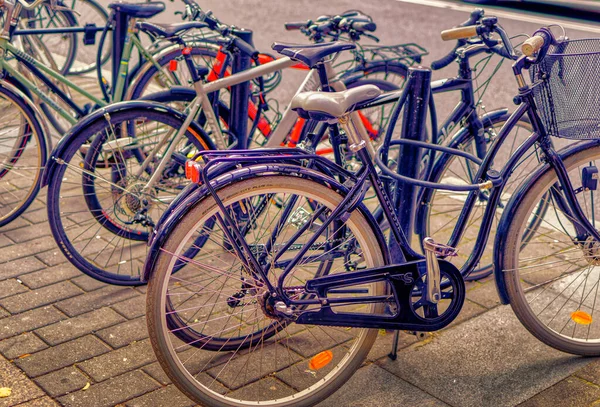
591 251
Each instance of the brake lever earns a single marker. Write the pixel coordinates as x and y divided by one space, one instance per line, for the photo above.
54 6
371 36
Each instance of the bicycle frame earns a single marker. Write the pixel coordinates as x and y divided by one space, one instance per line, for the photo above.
415 265
46 74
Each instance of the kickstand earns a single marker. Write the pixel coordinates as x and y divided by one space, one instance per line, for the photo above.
394 353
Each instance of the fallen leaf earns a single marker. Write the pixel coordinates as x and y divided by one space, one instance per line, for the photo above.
5 392
87 386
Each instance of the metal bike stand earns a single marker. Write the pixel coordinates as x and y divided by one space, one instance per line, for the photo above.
238 121
414 122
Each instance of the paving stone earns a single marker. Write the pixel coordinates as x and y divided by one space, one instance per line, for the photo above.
591 372
132 308
373 386
123 334
570 392
501 355
52 257
119 361
72 328
37 216
111 392
20 345
41 402
484 294
166 396
383 345
16 251
62 381
87 283
468 311
157 373
19 267
11 287
41 296
5 241
29 321
22 389
62 355
29 233
50 275
95 299
18 223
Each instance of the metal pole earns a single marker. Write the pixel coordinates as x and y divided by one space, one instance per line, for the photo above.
238 121
414 127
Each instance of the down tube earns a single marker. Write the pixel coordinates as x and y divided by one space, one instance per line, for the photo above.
491 207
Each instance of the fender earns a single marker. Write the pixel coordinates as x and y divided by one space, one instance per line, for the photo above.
221 181
460 137
74 133
514 202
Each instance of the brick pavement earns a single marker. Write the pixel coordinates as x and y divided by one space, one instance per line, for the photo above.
60 330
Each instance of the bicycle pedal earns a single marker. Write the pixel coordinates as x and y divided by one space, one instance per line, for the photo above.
439 249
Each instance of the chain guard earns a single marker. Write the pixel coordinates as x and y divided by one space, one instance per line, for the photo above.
404 280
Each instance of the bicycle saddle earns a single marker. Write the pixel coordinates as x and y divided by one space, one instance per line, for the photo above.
169 30
311 54
139 10
329 105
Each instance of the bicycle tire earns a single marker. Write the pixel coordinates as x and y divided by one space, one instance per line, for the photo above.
553 265
98 231
325 381
21 169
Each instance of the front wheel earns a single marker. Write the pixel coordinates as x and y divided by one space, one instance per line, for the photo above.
230 347
552 278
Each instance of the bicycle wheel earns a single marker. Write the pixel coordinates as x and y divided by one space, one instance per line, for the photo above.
23 154
439 211
99 210
552 279
89 12
224 304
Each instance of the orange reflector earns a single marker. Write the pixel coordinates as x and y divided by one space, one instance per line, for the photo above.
173 65
192 171
320 360
581 317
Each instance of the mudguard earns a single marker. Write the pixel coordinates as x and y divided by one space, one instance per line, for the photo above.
514 202
77 131
226 178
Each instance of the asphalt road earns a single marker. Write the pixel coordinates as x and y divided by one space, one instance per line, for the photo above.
402 21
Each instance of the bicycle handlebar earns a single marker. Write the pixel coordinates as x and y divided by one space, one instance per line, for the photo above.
459 33
31 6
295 26
447 60
533 45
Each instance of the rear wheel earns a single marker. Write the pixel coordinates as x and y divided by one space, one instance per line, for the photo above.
99 209
238 350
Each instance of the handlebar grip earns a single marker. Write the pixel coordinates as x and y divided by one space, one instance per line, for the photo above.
459 33
443 62
364 26
245 48
295 26
533 45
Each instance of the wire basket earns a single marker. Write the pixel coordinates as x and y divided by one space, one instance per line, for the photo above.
568 96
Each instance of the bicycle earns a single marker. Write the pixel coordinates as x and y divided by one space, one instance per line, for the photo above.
124 198
289 295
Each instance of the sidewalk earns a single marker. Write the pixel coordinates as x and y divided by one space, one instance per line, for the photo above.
60 330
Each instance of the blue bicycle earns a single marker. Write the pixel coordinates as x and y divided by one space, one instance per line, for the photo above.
267 283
